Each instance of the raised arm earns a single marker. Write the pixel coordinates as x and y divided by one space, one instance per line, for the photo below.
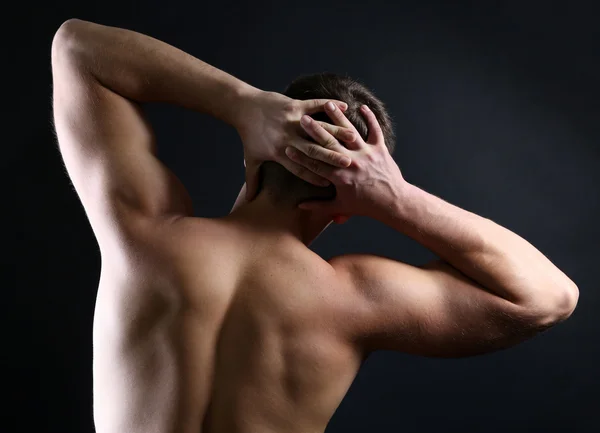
490 290
144 69
101 73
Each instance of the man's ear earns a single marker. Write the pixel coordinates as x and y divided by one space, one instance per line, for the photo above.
340 219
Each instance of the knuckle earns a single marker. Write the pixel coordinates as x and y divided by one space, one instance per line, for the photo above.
312 151
330 142
381 151
336 175
290 107
344 179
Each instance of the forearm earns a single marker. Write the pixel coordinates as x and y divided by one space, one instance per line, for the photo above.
498 259
145 69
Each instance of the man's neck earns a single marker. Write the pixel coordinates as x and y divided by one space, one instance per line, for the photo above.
279 221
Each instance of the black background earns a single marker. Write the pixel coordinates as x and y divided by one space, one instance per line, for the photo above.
496 106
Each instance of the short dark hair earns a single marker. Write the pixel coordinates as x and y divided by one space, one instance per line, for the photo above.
285 187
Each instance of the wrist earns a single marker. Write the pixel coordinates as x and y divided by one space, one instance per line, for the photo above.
393 206
241 103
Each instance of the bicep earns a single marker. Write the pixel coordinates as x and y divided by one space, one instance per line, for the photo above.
432 310
108 149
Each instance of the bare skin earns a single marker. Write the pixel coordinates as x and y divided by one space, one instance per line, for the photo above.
241 330
232 324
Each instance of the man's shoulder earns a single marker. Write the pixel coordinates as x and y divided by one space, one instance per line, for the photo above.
168 242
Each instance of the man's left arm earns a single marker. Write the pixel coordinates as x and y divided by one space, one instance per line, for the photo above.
108 147
101 73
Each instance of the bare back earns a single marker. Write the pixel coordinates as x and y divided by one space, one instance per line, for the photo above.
213 331
202 325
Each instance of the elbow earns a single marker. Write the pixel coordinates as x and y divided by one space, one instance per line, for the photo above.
556 305
66 39
568 298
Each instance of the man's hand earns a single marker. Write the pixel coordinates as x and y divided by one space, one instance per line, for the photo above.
373 180
271 122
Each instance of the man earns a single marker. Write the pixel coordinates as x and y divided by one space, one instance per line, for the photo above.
232 324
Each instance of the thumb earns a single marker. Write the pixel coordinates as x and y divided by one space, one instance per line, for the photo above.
252 173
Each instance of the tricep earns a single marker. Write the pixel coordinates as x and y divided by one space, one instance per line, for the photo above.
432 310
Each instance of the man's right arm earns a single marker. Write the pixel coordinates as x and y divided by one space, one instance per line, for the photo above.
491 288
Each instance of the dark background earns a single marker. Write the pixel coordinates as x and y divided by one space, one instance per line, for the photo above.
496 109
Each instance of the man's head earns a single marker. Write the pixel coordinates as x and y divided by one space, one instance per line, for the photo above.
288 190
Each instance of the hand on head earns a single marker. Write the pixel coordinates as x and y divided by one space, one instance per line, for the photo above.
369 184
270 124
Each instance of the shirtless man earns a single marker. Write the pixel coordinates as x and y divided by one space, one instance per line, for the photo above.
233 324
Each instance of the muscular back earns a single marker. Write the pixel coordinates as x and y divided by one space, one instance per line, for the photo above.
202 323
208 329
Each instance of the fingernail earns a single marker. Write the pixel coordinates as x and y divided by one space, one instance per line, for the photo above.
366 108
290 152
345 161
305 120
330 106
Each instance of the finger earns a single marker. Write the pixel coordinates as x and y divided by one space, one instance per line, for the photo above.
319 134
339 132
312 106
335 157
338 117
375 132
303 172
319 168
